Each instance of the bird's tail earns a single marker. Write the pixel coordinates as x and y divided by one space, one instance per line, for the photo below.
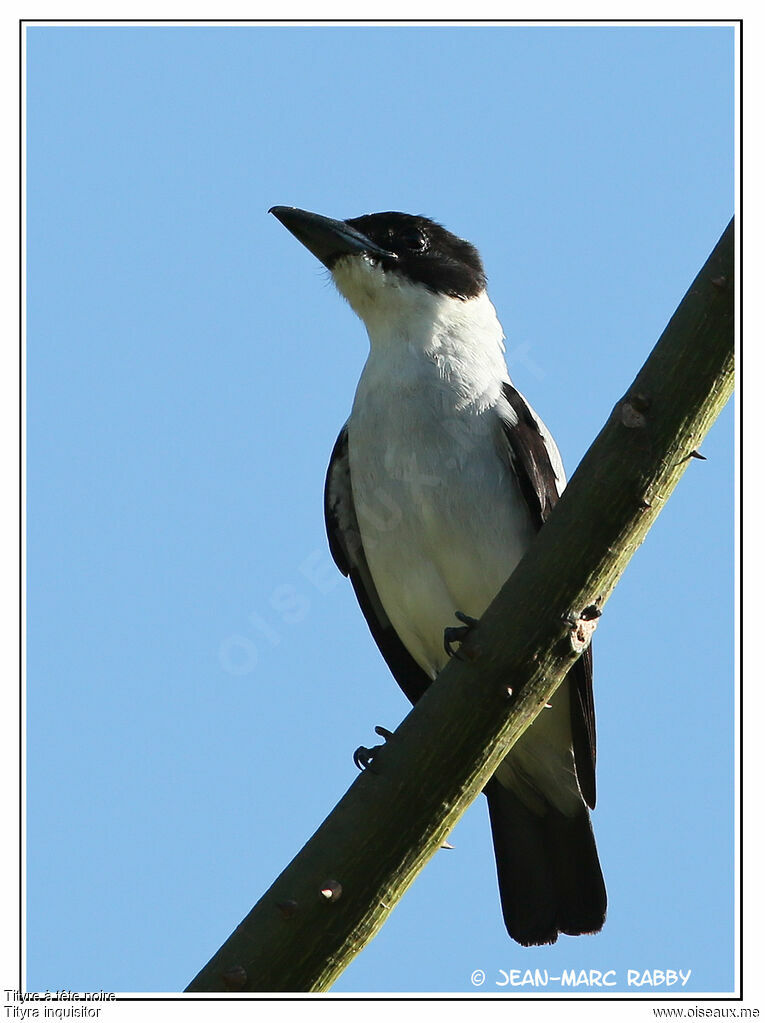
549 874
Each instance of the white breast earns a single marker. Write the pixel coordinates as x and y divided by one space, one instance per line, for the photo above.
442 518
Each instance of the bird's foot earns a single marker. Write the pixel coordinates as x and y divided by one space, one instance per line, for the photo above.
364 755
458 634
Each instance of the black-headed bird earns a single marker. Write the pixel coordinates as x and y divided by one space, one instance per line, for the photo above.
437 484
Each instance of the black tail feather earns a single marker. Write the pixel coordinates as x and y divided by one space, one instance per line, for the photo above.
548 870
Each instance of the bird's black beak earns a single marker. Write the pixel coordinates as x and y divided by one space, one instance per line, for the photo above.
327 239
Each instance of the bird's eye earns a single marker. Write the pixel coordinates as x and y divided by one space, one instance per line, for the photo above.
414 240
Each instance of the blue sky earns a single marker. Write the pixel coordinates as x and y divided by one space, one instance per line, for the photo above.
198 673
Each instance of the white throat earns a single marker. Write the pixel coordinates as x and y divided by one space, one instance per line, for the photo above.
421 339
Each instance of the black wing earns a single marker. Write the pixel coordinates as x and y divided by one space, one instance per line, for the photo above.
348 553
533 467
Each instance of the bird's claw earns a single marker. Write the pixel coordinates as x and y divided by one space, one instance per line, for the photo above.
458 633
364 755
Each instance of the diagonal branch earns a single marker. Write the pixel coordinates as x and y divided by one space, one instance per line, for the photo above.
337 892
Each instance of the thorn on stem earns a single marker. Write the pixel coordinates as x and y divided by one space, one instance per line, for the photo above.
331 891
632 417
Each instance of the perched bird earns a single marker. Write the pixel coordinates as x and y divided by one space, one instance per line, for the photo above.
436 486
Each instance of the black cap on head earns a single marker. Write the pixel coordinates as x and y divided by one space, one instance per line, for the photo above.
427 253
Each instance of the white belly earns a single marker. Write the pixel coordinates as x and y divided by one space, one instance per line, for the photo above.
443 523
442 519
